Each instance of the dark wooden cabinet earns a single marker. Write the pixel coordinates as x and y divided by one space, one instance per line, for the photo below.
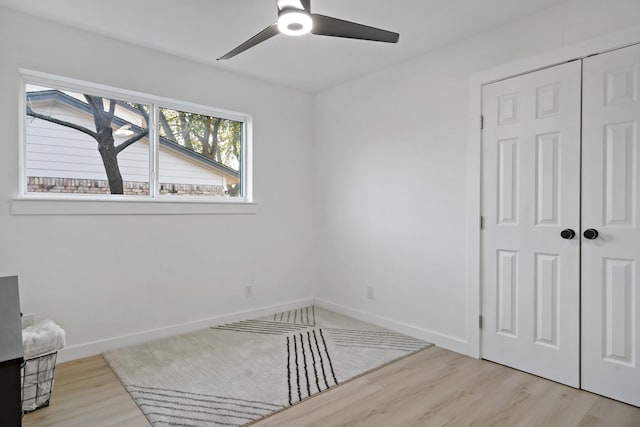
11 354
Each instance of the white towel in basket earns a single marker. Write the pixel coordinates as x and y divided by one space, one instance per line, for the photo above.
42 338
37 341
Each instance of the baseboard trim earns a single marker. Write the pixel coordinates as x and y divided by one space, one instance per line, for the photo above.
441 340
100 346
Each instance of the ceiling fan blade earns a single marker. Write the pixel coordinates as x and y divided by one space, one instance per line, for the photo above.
295 4
328 26
263 35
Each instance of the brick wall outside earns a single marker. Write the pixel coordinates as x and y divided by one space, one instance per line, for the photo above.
131 188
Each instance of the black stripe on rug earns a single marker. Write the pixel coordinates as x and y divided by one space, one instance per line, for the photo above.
181 408
155 396
313 362
266 325
370 333
304 362
405 343
324 375
295 350
218 412
300 316
378 341
308 363
382 340
289 369
261 327
366 335
328 357
206 397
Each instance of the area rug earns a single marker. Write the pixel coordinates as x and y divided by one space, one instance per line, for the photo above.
235 374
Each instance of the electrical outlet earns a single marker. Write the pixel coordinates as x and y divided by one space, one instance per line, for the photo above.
28 319
248 291
371 292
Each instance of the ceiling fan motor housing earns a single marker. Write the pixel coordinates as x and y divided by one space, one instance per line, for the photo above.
294 22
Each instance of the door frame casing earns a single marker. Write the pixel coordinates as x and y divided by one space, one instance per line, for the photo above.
581 50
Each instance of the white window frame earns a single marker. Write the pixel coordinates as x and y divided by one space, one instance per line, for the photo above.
46 203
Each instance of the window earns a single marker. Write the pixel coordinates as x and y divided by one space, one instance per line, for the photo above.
85 144
83 140
212 143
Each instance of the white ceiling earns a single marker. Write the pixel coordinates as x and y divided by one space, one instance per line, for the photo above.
204 30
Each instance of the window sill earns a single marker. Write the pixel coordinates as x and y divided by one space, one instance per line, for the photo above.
69 206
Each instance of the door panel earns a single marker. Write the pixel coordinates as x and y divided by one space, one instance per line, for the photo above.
547 178
546 302
610 283
530 192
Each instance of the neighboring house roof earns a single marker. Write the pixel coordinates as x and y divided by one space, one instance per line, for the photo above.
56 95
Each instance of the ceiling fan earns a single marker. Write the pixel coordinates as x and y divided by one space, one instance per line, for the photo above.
295 19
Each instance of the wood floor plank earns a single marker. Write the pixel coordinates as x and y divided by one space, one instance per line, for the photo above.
86 392
432 388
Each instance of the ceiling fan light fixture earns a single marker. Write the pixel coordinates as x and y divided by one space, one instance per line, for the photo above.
294 23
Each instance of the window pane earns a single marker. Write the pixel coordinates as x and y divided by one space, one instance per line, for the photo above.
199 155
85 144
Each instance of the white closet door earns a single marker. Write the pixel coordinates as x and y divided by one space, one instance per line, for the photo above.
530 193
610 193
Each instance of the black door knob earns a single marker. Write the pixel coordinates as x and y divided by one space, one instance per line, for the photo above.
590 234
568 234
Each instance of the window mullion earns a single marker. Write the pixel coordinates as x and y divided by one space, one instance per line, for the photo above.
153 152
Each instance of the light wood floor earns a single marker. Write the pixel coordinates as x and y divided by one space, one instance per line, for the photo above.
434 387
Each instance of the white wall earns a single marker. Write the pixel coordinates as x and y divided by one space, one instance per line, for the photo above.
391 189
107 276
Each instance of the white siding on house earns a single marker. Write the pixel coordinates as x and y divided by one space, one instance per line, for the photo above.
175 169
59 152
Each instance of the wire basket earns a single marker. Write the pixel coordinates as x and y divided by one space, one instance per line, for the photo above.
37 381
